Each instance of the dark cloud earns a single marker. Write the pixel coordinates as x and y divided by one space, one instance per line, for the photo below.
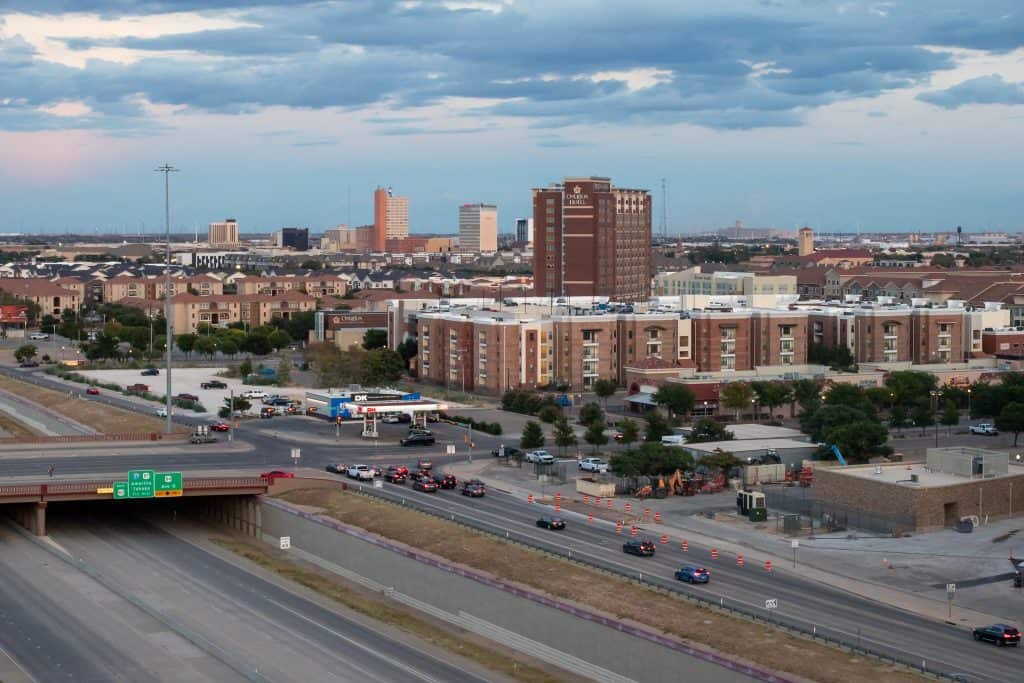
730 64
981 90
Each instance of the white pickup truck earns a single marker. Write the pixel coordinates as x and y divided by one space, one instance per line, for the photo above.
673 440
360 472
593 465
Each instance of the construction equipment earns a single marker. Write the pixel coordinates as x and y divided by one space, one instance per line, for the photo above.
645 491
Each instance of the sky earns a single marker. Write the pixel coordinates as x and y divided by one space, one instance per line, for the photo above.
844 115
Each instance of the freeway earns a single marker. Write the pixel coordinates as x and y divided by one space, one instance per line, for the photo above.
835 613
258 624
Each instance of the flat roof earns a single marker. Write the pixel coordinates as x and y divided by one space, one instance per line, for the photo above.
738 446
748 431
898 473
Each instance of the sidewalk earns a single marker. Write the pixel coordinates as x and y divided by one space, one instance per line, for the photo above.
706 532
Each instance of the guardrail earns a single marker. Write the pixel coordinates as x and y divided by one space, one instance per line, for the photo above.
63 489
76 438
854 642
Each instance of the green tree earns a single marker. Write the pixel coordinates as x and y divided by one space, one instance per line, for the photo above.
657 427
408 350
240 405
736 396
25 353
595 435
676 398
721 461
279 339
375 339
382 366
898 418
604 389
311 264
707 430
849 395
950 416
185 343
257 344
922 416
772 395
533 436
909 386
590 413
630 432
827 417
228 347
205 346
1011 419
943 261
807 393
652 459
284 373
565 437
858 441
245 369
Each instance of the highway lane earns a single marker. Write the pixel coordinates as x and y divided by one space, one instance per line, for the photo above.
282 635
60 625
835 612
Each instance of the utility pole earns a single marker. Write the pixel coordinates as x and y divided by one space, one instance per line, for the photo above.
167 170
664 210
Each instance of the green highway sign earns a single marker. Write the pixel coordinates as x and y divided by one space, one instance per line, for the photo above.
120 490
141 483
168 484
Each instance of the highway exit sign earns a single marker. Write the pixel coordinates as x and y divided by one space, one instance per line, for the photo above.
120 490
141 483
168 484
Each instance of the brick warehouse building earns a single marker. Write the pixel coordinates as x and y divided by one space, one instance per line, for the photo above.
592 239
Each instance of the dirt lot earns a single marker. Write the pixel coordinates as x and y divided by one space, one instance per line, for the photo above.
736 637
103 418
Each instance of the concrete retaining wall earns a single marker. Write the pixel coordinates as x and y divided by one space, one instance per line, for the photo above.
525 620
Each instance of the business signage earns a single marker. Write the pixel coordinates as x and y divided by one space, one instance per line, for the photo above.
575 196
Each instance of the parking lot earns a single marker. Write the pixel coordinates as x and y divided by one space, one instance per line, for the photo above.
188 381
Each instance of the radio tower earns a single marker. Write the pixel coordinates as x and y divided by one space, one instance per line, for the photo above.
664 212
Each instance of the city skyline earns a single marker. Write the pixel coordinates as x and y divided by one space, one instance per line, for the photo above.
855 116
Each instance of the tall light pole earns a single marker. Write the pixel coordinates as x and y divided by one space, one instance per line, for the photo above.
167 170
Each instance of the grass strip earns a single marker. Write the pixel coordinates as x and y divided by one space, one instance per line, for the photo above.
393 616
768 646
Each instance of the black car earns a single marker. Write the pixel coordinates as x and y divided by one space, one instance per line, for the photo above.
213 384
418 440
473 488
507 452
337 468
448 481
425 484
553 523
394 475
999 634
150 372
420 430
30 364
643 548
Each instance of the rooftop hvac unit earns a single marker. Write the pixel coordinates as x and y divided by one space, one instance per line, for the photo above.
914 479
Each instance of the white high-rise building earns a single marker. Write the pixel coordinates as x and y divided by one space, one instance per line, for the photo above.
478 228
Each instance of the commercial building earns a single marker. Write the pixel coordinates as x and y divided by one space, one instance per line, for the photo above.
478 228
692 283
390 217
346 328
524 231
223 234
592 239
296 239
344 238
805 242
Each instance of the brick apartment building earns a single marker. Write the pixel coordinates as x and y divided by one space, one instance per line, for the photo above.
317 286
51 298
592 239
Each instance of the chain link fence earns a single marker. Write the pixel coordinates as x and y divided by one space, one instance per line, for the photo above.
828 517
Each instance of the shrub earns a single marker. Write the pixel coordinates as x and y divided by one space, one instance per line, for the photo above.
549 413
492 428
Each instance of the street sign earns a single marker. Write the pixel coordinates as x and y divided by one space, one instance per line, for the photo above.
450 449
141 483
120 490
794 544
168 484
378 484
951 588
286 542
771 603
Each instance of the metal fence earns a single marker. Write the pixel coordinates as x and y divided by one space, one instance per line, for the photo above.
826 516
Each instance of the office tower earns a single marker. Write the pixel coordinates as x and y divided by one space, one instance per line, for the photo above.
390 217
223 234
524 230
806 242
478 228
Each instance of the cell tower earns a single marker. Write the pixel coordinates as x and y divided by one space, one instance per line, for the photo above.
664 210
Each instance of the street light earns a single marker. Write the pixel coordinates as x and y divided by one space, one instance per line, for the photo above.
167 170
935 403
968 403
752 402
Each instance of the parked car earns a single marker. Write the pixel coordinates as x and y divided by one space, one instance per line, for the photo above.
418 440
254 393
38 336
277 474
474 488
92 391
448 481
593 465
553 523
644 548
507 452
220 427
360 472
420 430
187 397
426 484
161 412
999 634
267 413
150 372
692 574
985 428
29 364
540 456
337 468
137 388
391 419
213 384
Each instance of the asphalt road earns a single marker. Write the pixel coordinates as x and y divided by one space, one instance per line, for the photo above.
258 625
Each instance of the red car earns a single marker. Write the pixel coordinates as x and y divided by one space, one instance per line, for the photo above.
277 474
220 427
92 391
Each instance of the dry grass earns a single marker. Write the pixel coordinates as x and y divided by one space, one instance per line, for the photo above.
437 633
18 430
768 647
103 418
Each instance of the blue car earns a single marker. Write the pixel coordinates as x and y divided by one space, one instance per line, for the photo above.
693 574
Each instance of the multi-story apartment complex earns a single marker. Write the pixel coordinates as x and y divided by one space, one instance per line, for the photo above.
693 282
223 234
390 217
742 339
190 310
592 239
154 287
318 286
51 298
478 228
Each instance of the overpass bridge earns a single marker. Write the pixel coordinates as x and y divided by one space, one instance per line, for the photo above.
231 498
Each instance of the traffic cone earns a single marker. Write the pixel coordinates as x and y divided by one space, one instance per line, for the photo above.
686 546
647 513
768 566
633 531
597 502
714 553
628 508
586 500
739 560
618 527
558 497
664 539
657 518
590 517
529 498
608 503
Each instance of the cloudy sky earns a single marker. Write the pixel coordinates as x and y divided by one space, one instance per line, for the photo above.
840 114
